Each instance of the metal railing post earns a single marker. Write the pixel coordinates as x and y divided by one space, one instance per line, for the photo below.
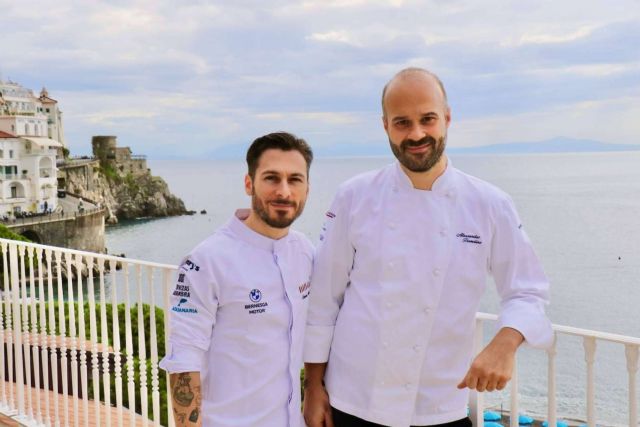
476 400
631 353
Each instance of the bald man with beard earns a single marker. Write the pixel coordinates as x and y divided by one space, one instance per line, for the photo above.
398 278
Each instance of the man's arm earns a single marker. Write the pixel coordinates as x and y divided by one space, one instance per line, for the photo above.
317 409
186 399
331 270
492 368
524 292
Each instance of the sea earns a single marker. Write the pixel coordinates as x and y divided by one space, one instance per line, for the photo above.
581 210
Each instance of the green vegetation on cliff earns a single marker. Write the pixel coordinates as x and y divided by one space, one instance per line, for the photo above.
5 233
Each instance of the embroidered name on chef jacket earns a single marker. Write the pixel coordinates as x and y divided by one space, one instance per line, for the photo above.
258 305
469 238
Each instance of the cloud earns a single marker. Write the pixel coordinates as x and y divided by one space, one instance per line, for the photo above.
328 118
341 36
196 75
550 38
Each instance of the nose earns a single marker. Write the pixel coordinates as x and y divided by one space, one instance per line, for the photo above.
284 190
416 133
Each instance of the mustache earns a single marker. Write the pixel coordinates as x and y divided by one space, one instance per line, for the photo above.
413 143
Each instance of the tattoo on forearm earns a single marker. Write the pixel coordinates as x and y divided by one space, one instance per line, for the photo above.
182 393
194 415
180 416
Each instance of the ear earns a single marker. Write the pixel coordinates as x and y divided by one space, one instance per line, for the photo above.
385 123
248 185
447 116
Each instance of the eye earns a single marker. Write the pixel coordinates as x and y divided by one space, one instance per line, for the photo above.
427 120
402 123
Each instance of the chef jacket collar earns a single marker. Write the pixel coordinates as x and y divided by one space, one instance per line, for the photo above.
444 184
238 227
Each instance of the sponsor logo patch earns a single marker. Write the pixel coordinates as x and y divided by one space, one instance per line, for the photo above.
255 295
189 265
258 305
179 309
304 289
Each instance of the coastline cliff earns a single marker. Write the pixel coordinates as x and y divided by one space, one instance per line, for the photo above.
120 182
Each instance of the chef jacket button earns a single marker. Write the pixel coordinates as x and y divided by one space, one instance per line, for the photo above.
436 272
416 347
392 225
395 189
443 232
426 310
449 194
407 386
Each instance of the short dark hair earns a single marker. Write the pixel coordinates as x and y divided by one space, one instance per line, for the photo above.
280 141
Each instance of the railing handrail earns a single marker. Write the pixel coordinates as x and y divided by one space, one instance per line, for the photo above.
580 332
95 255
53 216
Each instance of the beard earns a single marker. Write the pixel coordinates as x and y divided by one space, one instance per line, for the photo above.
279 219
419 162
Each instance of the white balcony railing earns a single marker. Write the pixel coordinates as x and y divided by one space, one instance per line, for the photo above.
77 327
80 342
630 346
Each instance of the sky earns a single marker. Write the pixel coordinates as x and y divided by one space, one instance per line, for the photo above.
196 79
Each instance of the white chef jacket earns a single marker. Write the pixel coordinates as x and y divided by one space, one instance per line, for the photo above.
238 314
397 281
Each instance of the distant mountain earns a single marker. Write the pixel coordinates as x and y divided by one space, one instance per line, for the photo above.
381 149
554 145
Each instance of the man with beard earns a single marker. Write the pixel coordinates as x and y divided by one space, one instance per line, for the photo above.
240 301
398 278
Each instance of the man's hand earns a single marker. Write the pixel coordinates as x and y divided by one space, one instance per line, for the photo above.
492 368
317 410
316 406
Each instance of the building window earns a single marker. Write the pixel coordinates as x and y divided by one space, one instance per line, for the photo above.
11 154
14 192
47 110
13 128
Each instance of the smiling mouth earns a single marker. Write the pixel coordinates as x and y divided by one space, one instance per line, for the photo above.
418 149
282 205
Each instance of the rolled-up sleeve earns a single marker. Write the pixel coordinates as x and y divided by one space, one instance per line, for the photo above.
331 270
192 313
520 280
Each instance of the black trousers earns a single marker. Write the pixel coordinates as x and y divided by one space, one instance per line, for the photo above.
342 419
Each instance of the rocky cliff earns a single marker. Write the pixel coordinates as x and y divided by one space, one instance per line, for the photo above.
125 195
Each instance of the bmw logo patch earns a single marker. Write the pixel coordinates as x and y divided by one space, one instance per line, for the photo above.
255 295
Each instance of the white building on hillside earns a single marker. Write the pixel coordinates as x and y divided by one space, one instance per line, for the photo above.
31 136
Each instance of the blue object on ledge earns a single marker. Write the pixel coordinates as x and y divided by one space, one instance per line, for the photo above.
558 423
492 416
525 420
492 424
